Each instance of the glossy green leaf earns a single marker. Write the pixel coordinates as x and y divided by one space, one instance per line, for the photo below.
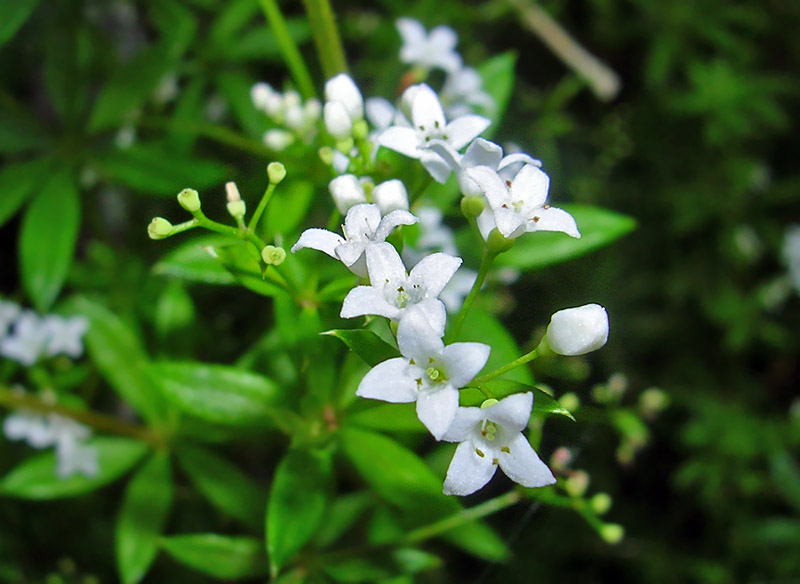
48 236
599 228
366 344
194 260
36 477
18 181
145 506
224 485
543 403
117 351
13 14
219 556
159 171
297 501
217 393
498 81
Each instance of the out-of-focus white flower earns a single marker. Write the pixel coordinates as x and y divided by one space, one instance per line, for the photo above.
791 254
347 191
491 436
428 123
457 289
30 427
428 373
167 89
463 92
390 195
576 331
9 311
65 335
28 340
278 140
436 50
125 138
363 228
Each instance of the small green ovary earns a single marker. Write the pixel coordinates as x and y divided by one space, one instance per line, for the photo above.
488 430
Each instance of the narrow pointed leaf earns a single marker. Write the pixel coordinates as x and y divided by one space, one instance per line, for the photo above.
219 556
13 14
366 344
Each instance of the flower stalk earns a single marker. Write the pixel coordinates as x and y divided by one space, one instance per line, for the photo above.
326 37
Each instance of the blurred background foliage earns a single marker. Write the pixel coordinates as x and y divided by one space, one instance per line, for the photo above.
109 107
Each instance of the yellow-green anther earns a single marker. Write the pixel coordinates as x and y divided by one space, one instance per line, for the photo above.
276 172
272 255
433 373
159 228
189 199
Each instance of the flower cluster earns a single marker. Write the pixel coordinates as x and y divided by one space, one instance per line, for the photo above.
297 119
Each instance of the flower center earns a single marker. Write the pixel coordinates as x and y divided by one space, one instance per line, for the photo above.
488 430
428 133
401 294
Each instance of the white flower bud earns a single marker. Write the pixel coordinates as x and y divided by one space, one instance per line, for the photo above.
273 105
346 191
575 331
337 120
278 140
312 110
260 94
291 99
390 196
295 118
342 89
232 192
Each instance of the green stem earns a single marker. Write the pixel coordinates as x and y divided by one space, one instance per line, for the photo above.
326 37
289 50
262 205
185 226
15 400
507 367
483 271
229 230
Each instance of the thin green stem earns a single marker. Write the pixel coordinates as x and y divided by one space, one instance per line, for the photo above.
483 271
291 54
326 37
185 226
507 367
230 230
15 400
262 205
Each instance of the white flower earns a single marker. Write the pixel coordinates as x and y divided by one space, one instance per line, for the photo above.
393 291
791 254
28 341
490 437
363 228
9 311
576 331
278 140
463 91
380 112
344 105
65 335
347 191
436 50
429 372
519 205
429 123
390 195
28 426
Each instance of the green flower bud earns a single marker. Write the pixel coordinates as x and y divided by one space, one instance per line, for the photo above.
345 145
498 243
652 402
189 199
276 172
360 130
570 402
472 206
612 533
272 255
159 228
326 155
600 503
236 209
577 483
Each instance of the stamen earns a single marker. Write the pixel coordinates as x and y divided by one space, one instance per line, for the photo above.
479 453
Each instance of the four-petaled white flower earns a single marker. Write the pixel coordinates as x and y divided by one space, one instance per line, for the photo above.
65 335
428 123
9 312
463 91
28 340
519 205
491 436
436 50
428 373
392 291
363 228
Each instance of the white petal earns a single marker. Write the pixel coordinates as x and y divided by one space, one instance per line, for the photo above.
435 313
426 111
436 166
433 272
517 158
509 223
468 471
319 239
443 39
522 465
412 32
446 152
384 264
362 220
436 409
553 219
402 140
530 185
380 112
416 337
463 425
512 412
393 220
490 183
463 130
482 153
346 191
486 223
352 256
342 89
363 300
464 361
391 195
389 382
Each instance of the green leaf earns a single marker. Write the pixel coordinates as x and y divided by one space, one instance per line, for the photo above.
223 557
159 171
230 20
543 403
480 326
240 260
13 14
297 501
19 132
786 477
217 393
389 418
117 351
225 486
342 513
289 206
599 228
130 86
366 344
193 260
235 88
145 507
18 182
36 478
48 236
498 81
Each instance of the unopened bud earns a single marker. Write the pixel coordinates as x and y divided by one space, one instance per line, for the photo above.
577 483
472 206
612 533
652 402
272 255
159 228
232 192
326 155
561 459
189 199
390 196
360 130
236 209
601 503
337 121
576 331
278 139
570 402
276 172
345 145
498 243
